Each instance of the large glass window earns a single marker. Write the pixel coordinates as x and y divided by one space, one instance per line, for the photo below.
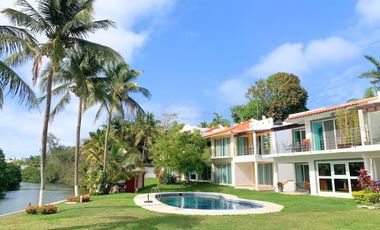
223 174
242 146
264 145
222 147
265 174
299 135
339 176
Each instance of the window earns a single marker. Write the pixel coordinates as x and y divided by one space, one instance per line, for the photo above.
265 174
324 135
223 174
222 147
338 176
242 146
264 145
299 135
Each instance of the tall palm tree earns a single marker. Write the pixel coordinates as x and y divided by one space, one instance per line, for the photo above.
63 25
114 96
146 132
78 75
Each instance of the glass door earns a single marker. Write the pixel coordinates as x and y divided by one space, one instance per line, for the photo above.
302 176
318 138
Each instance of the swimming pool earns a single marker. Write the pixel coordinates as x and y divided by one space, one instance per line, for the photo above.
204 201
201 203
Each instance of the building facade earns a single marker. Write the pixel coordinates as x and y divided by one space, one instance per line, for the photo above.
319 151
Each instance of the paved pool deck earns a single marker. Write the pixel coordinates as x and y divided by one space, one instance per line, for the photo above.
157 206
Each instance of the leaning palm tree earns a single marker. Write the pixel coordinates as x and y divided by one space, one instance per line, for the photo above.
12 40
77 76
113 95
61 25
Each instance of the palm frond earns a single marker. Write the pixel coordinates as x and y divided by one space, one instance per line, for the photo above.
60 106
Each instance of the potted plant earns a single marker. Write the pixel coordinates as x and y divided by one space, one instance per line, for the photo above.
306 144
280 186
306 186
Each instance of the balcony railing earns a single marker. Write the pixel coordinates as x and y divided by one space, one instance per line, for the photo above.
336 139
245 151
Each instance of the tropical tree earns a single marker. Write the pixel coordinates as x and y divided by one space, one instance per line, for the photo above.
61 25
78 75
13 40
146 129
113 95
219 120
278 96
373 75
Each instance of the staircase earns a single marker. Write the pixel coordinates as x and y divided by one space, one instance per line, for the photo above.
289 186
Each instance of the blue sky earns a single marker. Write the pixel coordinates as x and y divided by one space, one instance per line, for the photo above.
200 56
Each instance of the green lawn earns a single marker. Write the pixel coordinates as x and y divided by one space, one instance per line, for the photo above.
119 212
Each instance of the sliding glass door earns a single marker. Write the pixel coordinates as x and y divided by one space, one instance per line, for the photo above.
265 174
318 138
223 174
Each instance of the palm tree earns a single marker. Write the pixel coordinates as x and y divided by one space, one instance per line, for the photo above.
78 75
219 120
114 96
13 40
63 25
146 132
373 75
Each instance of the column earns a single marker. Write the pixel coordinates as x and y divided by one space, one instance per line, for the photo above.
254 144
212 173
363 134
367 165
275 175
256 175
313 178
232 145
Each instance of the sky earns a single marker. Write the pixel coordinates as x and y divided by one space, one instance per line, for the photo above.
200 56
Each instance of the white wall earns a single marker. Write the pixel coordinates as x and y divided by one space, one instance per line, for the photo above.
149 172
244 174
286 172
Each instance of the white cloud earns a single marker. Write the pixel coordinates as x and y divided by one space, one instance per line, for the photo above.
368 11
299 58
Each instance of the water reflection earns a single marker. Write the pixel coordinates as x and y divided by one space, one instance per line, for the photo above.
28 193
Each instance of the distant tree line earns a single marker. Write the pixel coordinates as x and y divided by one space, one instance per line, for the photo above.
10 174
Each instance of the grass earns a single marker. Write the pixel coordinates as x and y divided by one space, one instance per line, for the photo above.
119 212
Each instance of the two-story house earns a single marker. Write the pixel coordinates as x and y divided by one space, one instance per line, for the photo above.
238 155
325 148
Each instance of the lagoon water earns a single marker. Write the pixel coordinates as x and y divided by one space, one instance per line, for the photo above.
28 193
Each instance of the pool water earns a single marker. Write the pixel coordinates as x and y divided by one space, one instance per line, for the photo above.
204 201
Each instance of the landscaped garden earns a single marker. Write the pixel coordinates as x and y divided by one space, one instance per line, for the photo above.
118 211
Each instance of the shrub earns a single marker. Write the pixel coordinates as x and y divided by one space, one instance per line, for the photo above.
47 209
73 199
85 198
44 210
31 209
366 197
166 178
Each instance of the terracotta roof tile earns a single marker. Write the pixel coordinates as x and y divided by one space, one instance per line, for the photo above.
238 128
331 108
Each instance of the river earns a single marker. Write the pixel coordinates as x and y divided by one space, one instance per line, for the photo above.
28 193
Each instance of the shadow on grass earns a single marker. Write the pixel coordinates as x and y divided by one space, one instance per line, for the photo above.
130 222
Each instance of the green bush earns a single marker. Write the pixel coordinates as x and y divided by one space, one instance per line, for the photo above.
366 197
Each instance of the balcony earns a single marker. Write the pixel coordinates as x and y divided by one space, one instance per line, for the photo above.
244 151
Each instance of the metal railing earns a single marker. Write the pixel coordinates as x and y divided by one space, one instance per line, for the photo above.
244 151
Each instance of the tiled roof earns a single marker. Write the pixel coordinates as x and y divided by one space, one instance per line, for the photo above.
238 128
331 108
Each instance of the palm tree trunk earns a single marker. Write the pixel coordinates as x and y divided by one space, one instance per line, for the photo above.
76 166
45 130
106 141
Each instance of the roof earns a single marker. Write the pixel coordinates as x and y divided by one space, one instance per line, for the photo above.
331 108
238 128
